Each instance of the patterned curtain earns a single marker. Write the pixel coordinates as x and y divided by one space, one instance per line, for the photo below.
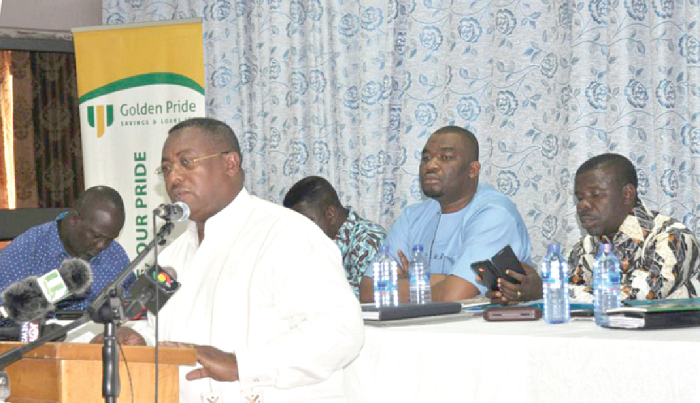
351 89
25 162
56 123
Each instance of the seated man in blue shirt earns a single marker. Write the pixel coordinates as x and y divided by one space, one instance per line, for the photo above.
462 222
86 232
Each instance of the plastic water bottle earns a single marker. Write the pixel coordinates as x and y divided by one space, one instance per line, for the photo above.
555 285
606 283
386 281
419 276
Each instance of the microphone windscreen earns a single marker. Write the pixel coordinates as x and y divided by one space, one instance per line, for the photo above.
183 213
24 301
160 280
76 274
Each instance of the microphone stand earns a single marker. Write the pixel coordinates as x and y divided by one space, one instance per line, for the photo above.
164 231
106 309
110 314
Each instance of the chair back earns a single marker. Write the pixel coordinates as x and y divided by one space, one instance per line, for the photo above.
17 221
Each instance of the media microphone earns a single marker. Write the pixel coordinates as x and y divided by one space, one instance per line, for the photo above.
160 280
178 211
33 297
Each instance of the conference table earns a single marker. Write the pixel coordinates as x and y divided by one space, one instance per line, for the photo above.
471 360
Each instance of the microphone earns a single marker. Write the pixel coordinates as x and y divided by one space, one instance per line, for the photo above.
33 297
160 280
14 333
178 211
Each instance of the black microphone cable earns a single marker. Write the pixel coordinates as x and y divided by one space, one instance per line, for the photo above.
128 370
157 324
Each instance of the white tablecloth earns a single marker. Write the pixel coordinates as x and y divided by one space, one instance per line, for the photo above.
477 361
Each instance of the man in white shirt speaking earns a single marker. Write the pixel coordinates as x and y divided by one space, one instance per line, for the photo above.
263 297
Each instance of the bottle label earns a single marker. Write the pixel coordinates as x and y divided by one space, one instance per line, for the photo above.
555 273
418 275
610 281
553 282
385 282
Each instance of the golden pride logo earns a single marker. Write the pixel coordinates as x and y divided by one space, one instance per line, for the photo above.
102 119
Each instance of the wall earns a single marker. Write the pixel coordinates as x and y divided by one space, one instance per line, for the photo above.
52 15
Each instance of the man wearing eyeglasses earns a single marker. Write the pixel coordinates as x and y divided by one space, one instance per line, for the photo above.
264 299
463 221
87 231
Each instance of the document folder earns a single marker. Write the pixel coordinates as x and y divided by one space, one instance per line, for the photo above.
404 311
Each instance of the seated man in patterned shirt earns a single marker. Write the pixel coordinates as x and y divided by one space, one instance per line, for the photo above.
87 232
357 238
659 256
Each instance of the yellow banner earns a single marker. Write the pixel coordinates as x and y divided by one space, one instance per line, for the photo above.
110 55
135 82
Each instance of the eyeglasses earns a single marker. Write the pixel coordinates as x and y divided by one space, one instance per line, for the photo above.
186 163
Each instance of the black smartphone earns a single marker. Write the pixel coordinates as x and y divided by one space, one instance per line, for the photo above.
512 313
490 275
504 260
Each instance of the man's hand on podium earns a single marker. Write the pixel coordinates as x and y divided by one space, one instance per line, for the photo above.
125 336
216 364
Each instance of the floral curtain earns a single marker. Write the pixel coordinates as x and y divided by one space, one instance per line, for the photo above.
352 89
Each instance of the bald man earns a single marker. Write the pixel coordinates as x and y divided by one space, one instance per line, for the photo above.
87 231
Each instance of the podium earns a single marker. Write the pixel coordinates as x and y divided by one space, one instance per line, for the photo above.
72 373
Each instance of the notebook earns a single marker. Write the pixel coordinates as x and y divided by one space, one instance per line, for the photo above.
657 314
407 310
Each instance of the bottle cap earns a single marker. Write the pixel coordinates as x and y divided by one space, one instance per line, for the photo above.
554 247
418 247
384 249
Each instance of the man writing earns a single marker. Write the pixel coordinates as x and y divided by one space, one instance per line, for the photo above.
87 232
263 299
659 256
358 239
463 222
